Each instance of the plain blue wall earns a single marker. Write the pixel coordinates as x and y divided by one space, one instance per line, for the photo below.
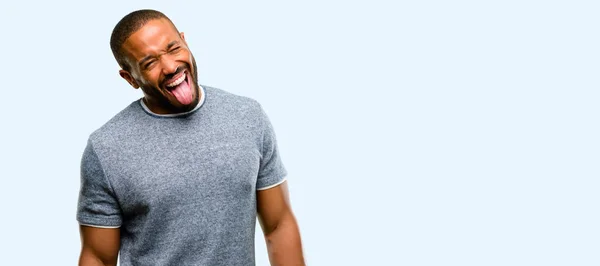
415 132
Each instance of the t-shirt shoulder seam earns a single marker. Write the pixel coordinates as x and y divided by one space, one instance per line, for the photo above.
262 129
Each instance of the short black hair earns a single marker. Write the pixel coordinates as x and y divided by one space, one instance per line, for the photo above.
129 24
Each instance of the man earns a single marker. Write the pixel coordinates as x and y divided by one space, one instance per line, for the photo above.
180 176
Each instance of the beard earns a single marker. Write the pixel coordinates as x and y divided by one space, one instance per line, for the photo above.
195 74
157 94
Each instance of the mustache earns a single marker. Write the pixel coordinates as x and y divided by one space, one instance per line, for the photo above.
178 70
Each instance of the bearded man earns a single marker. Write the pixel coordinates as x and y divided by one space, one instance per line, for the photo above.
179 176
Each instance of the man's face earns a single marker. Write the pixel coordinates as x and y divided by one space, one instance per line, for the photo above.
163 67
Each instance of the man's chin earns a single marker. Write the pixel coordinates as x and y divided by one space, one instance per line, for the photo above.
185 94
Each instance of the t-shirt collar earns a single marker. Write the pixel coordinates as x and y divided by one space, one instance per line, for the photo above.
200 102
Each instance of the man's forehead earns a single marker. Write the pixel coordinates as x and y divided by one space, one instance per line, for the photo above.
155 35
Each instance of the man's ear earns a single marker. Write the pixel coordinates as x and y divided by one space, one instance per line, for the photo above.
182 35
127 76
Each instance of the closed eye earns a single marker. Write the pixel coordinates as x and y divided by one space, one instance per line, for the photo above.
149 63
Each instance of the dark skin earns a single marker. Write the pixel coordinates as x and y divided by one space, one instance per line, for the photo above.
157 53
99 246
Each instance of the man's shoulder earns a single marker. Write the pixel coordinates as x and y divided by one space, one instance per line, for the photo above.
223 99
224 96
117 125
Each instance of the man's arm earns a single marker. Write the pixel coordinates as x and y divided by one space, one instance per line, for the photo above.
279 226
99 246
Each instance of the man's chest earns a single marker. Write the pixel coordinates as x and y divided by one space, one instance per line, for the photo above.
203 170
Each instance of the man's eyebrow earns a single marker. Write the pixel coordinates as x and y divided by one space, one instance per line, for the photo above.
146 58
171 44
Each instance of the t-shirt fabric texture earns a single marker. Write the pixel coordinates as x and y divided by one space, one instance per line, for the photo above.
182 188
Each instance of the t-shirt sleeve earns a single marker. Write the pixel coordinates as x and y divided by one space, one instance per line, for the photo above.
97 204
271 172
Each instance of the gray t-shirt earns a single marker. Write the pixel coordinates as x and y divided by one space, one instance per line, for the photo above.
182 188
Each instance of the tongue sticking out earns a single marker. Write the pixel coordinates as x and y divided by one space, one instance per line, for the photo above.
183 92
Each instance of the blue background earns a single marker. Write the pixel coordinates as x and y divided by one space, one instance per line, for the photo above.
414 132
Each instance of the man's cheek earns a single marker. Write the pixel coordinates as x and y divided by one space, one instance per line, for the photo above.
146 82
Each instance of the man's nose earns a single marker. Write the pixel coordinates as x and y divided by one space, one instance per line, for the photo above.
169 66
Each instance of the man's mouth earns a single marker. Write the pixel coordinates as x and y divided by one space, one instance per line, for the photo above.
181 88
177 81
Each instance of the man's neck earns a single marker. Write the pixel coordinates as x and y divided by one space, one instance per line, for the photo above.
159 110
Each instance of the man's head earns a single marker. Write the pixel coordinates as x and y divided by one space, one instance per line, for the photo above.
155 57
